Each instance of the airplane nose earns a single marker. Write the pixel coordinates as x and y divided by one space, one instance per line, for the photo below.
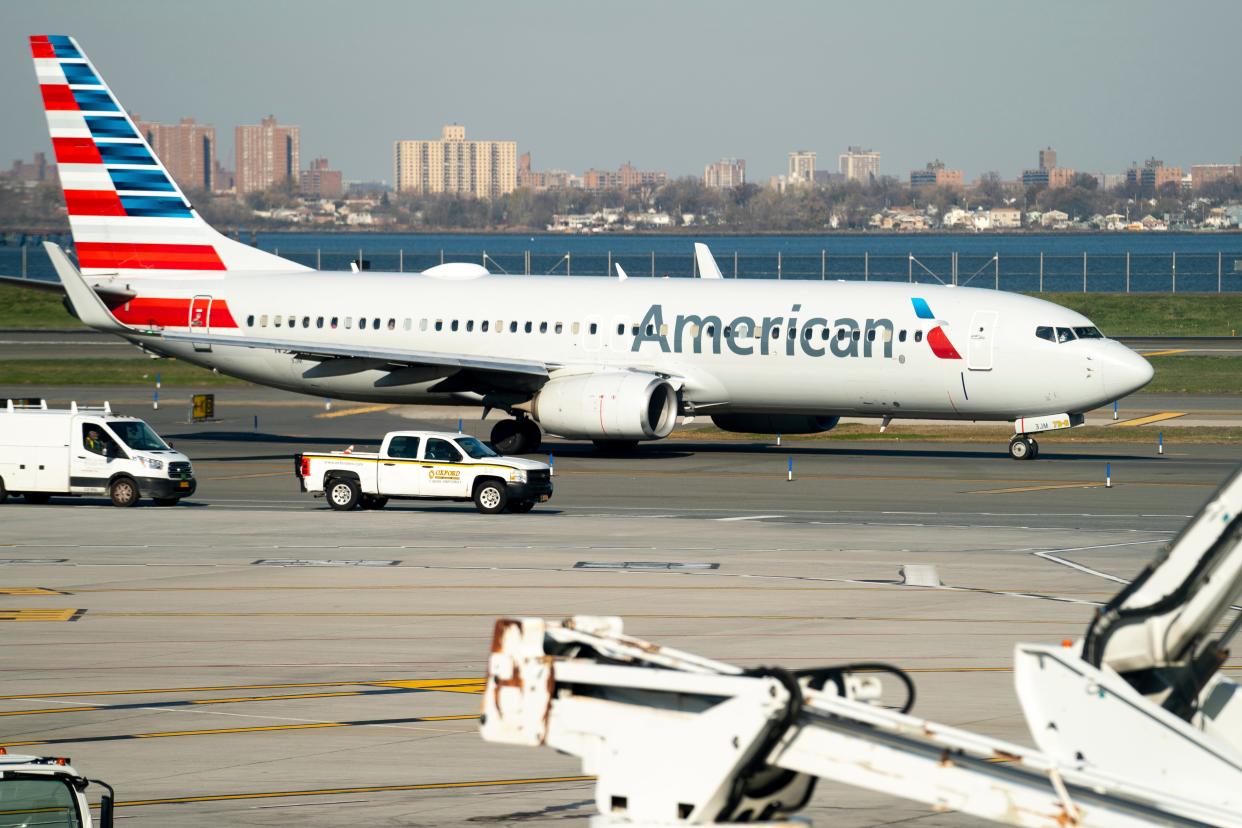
1125 371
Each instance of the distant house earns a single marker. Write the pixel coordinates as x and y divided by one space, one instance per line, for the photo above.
1005 218
1054 218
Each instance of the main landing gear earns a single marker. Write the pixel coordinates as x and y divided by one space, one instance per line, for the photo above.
517 436
1022 447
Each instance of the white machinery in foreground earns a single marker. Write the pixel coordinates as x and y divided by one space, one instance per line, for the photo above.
47 791
1135 725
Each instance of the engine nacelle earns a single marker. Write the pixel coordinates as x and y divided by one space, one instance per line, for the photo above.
609 405
775 423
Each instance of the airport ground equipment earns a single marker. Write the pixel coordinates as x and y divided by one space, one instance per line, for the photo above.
47 791
75 451
425 465
1135 725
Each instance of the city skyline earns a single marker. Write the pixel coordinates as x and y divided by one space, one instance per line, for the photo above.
742 97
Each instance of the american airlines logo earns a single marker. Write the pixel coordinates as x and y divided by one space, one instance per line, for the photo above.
816 336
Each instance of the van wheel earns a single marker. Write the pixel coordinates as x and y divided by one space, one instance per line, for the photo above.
37 497
166 501
123 492
521 507
4 493
343 494
490 497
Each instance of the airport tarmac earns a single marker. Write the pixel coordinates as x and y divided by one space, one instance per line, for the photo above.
251 657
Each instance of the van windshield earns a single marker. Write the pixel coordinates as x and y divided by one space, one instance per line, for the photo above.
27 801
475 448
137 435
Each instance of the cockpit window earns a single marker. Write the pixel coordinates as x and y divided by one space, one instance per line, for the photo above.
1065 335
1088 333
1045 332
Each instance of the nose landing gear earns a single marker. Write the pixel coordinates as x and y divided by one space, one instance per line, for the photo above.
517 436
1022 447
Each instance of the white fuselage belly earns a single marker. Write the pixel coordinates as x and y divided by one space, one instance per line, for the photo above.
1004 373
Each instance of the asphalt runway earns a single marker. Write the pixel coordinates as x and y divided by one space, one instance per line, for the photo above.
251 657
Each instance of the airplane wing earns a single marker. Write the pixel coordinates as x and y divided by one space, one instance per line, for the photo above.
49 286
92 311
707 262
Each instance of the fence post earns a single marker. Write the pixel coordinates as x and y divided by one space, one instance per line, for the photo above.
866 265
1127 271
484 262
401 261
996 261
734 264
1219 264
609 273
778 265
694 266
1175 271
1084 271
1041 271
23 261
441 255
527 262
823 265
910 268
652 264
318 259
360 258
568 265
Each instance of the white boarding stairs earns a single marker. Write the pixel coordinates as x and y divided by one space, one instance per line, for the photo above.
676 739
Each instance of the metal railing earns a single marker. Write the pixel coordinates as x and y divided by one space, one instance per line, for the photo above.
1215 272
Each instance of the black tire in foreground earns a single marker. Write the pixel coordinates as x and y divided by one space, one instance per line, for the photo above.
343 494
4 493
166 501
521 507
124 492
490 497
37 498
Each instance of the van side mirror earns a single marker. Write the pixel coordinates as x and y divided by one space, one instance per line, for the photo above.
105 803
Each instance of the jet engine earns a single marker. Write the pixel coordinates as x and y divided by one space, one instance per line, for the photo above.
775 423
609 405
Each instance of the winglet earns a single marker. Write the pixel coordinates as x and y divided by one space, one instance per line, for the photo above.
621 275
707 264
86 304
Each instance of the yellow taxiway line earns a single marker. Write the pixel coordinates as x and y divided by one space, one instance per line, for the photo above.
349 412
1152 418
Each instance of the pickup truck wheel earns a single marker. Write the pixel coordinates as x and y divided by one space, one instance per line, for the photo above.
373 502
522 506
343 494
490 497
123 492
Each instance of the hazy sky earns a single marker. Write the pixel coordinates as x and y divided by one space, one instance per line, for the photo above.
665 84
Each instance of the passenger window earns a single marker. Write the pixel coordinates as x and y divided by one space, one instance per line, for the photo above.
500 325
621 329
469 325
375 323
392 324
513 326
633 330
453 326
263 321
439 324
574 329
1064 335
543 327
403 447
305 321
422 324
250 321
335 320
871 335
407 323
1045 332
442 451
559 327
793 333
901 337
349 322
319 322
857 335
824 334
918 336
776 333
711 330
276 321
593 329
529 327
293 321
841 333
362 323
483 326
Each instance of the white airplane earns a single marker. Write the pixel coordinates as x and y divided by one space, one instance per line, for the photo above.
615 361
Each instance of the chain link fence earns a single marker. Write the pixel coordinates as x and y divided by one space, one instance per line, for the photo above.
1033 273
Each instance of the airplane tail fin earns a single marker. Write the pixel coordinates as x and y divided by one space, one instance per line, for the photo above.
707 262
127 214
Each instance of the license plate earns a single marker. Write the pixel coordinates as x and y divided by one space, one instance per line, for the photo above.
183 485
542 498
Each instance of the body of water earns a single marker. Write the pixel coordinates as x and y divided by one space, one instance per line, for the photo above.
1109 262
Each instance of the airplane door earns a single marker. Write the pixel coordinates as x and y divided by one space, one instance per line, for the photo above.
200 319
979 349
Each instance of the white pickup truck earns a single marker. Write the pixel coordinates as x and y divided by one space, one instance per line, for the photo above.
432 465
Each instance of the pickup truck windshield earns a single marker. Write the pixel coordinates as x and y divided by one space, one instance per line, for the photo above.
475 448
27 802
137 435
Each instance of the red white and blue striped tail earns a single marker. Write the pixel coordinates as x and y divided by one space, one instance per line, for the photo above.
127 215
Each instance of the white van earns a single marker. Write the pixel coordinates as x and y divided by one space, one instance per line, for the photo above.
87 451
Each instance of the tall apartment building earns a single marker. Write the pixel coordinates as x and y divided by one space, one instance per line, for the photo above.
36 171
801 168
935 175
1048 174
1047 158
267 155
1153 175
321 181
1203 174
188 150
858 164
482 169
540 180
627 177
725 174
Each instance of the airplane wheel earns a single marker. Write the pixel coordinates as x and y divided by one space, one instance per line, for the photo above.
1020 448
